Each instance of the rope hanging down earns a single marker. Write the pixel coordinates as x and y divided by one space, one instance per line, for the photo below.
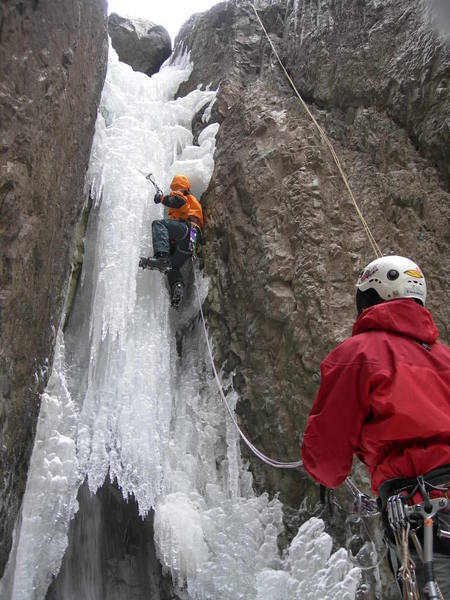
352 488
363 503
258 453
326 140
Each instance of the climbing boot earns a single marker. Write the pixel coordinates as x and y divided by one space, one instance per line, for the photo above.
176 296
160 261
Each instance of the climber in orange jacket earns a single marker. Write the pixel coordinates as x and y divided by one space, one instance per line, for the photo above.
171 237
385 394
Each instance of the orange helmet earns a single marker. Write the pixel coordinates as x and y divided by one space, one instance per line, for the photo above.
180 183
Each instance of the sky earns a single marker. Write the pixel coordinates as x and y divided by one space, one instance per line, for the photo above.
171 14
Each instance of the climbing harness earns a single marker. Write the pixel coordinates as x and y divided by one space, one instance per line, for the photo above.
399 515
324 138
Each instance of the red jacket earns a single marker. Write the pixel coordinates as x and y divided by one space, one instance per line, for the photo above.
385 396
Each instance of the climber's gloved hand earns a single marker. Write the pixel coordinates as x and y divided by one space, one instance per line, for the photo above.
143 262
158 197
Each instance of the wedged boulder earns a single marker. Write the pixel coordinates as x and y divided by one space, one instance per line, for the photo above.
139 43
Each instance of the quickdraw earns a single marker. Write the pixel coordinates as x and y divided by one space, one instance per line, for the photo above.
400 527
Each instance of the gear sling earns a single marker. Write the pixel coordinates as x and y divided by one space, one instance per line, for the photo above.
412 508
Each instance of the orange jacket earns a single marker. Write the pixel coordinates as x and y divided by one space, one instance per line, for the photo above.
191 209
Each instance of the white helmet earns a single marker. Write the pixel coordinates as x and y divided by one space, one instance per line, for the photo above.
391 277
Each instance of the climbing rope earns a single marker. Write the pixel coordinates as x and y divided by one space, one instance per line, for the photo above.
365 504
325 139
269 461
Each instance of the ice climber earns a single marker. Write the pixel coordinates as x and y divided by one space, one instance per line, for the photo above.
385 396
172 236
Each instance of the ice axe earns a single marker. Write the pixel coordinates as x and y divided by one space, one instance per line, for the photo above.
149 177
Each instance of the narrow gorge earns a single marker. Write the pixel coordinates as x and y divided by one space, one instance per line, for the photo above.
137 483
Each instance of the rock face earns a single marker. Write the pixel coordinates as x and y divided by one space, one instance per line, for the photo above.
139 43
284 243
397 63
53 58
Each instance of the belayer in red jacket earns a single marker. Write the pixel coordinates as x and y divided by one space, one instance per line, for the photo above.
385 393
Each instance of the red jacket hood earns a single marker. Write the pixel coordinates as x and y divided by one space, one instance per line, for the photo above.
399 316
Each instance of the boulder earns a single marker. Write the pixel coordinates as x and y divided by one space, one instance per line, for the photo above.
139 43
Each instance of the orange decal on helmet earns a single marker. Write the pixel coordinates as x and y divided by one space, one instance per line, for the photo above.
414 273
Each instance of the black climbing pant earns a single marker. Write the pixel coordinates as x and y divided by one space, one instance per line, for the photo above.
172 237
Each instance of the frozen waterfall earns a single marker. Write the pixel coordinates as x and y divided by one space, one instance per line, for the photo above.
122 400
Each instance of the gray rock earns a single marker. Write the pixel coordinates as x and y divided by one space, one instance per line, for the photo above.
139 43
284 243
53 58
397 62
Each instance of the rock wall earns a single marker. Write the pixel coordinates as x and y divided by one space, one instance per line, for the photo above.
284 244
53 58
389 57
